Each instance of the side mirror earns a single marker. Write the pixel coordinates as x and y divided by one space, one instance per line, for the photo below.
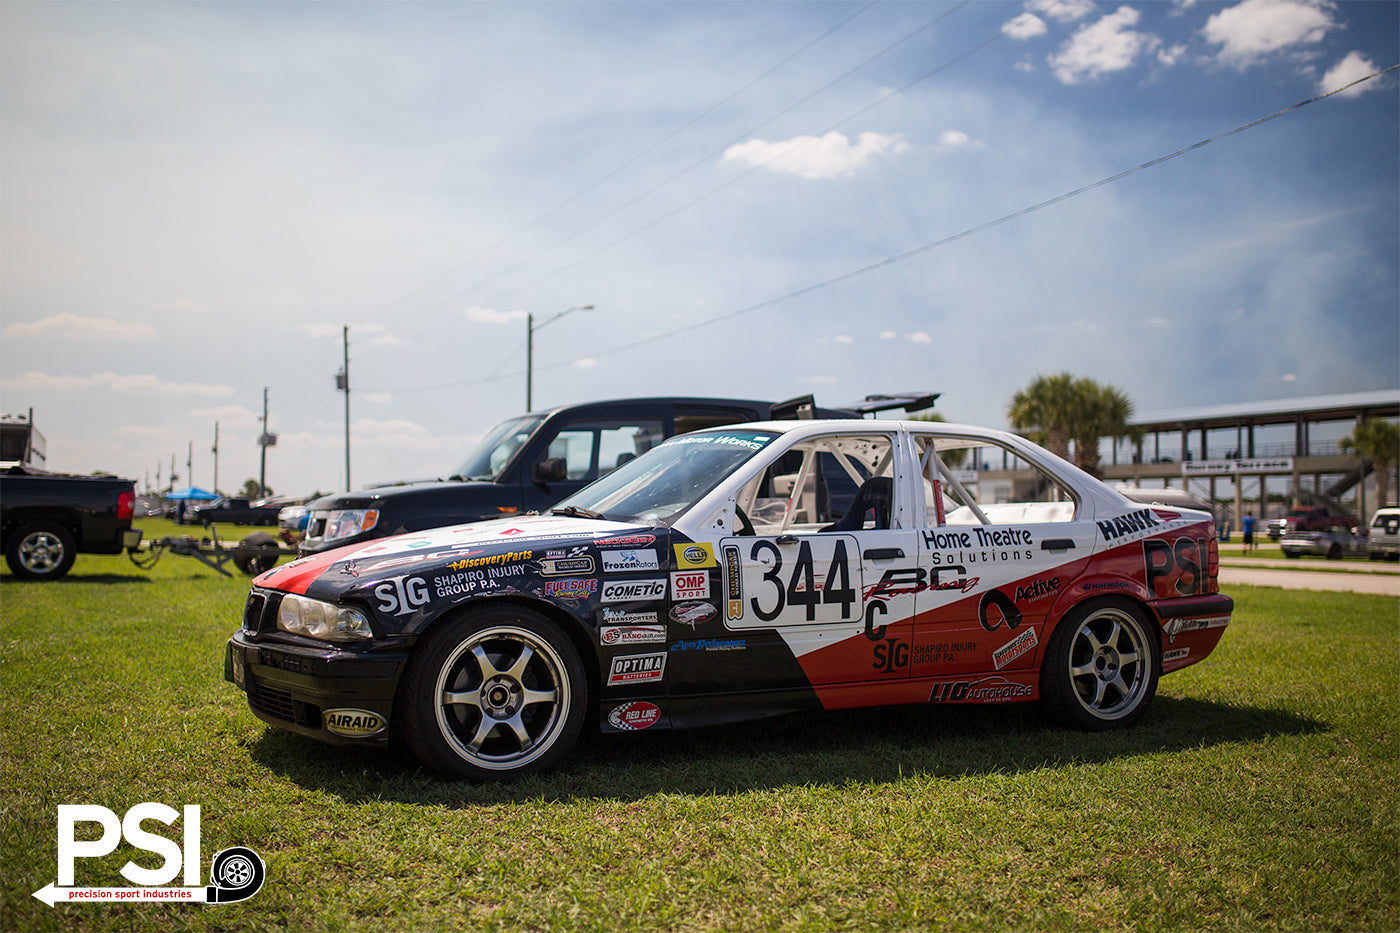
550 470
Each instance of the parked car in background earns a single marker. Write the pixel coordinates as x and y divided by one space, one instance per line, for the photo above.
1309 518
1333 542
240 511
47 519
1383 542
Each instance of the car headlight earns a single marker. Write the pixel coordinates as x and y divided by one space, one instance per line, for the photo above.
325 621
346 523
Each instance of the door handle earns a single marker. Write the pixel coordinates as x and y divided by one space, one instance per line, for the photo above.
786 539
883 553
1057 544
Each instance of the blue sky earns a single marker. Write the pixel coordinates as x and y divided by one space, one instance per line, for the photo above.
196 198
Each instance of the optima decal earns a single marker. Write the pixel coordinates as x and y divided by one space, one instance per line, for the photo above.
637 669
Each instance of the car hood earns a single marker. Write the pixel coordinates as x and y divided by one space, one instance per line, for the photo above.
498 542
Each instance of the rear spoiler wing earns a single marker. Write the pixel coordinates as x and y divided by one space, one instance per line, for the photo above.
804 407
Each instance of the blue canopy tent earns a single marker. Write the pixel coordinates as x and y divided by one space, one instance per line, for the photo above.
191 492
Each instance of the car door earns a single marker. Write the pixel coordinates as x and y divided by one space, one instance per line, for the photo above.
583 448
987 574
808 569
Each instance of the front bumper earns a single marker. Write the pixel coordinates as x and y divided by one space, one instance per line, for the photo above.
329 693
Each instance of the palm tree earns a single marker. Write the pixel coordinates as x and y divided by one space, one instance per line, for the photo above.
1055 410
1377 440
1103 412
1045 411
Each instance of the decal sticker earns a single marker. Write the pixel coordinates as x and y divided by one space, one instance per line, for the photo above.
1176 654
711 644
1141 520
557 566
733 583
693 614
1014 648
623 561
694 556
690 584
993 689
629 591
401 595
1178 564
980 546
800 586
495 560
631 669
747 441
1037 589
906 581
632 716
353 723
1005 611
613 635
1175 627
946 653
571 589
627 541
623 617
462 584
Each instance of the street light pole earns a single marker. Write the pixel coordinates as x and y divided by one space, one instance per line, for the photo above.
530 329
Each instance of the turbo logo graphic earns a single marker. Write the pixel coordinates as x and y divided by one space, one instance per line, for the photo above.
235 874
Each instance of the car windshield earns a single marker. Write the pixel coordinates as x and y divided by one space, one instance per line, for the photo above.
496 449
657 487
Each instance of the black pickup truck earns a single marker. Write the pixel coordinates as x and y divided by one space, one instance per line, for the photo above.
47 519
240 511
531 462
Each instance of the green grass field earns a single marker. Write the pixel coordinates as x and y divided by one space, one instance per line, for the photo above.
1258 794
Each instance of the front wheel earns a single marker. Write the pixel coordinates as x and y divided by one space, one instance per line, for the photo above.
1100 669
494 695
40 551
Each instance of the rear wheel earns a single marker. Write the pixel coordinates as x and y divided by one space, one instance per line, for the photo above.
1100 669
494 695
40 551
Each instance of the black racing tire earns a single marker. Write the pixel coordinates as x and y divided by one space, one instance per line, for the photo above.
1334 552
40 551
257 553
1101 666
493 695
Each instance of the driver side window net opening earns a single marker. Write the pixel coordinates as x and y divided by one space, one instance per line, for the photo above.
838 483
976 483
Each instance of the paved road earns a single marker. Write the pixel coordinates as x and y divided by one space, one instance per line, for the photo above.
1382 584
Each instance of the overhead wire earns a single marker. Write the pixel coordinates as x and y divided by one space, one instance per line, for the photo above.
928 247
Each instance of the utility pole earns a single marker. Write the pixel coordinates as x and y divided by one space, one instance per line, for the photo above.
342 382
216 456
189 464
265 441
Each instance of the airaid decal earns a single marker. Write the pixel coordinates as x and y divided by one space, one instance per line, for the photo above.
353 723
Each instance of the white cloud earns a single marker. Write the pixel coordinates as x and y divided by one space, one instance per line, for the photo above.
1352 68
1025 26
887 335
953 139
1255 28
1111 44
1288 377
920 337
587 362
122 384
492 316
1066 11
319 331
842 338
80 328
816 157
377 334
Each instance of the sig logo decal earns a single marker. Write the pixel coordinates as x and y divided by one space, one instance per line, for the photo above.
632 716
235 874
401 595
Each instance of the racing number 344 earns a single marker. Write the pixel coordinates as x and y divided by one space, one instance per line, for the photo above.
801 587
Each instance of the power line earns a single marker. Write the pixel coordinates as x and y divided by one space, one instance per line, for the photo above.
928 247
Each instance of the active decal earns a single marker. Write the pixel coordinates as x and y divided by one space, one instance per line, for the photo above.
632 716
1037 589
631 669
629 560
629 591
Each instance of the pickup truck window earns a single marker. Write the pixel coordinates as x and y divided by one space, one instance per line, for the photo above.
595 448
494 453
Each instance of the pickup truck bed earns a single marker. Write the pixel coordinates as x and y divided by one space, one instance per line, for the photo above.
47 519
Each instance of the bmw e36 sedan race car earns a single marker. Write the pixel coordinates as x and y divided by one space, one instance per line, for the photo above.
735 573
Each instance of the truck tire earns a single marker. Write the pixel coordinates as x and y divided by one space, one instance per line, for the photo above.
257 553
40 551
